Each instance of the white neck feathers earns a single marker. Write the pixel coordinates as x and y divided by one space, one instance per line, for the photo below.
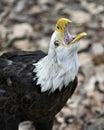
53 73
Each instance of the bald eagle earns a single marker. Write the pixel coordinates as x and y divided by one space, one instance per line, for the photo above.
34 85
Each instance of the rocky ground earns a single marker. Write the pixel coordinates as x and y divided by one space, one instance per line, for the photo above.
28 25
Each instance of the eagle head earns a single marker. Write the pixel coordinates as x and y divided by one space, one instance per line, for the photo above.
62 42
60 66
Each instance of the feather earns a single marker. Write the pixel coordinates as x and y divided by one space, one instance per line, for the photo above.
21 98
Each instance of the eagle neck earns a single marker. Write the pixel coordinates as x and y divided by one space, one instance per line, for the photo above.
54 74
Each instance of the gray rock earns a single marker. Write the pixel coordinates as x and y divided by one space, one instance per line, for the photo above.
97 49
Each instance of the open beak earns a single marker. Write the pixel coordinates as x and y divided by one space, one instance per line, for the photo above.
67 38
78 37
70 39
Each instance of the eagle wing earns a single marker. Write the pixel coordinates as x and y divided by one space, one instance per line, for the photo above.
24 56
16 80
18 66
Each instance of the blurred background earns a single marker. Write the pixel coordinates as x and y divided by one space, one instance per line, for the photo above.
28 25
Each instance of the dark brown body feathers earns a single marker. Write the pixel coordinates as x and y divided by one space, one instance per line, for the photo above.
20 97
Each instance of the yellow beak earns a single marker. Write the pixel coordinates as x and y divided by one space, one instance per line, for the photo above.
61 23
77 38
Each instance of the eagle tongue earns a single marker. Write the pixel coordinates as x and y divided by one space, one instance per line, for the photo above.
67 38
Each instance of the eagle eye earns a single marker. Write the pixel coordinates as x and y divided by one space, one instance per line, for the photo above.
56 43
